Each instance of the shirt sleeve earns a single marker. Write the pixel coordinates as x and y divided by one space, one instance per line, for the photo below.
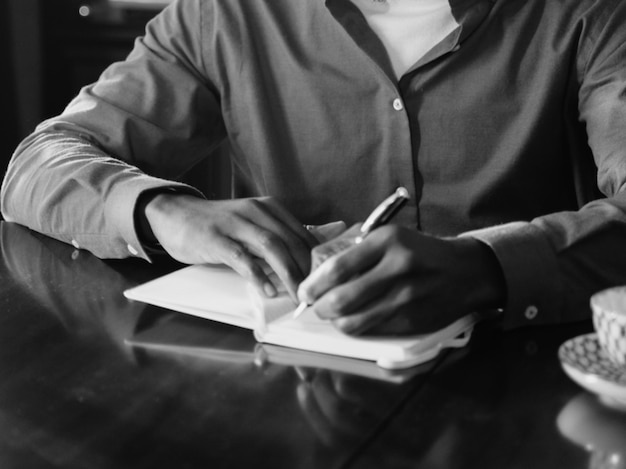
140 127
554 263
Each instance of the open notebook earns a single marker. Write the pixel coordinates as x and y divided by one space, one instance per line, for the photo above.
218 293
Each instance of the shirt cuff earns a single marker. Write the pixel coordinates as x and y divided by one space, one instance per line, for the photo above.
120 209
530 271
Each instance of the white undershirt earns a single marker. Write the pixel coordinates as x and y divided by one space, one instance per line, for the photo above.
408 28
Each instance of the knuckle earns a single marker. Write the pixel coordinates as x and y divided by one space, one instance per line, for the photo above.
348 326
405 295
404 260
252 207
335 302
267 240
337 269
259 204
249 269
237 253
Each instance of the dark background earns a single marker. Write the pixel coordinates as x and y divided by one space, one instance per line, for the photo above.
54 47
9 123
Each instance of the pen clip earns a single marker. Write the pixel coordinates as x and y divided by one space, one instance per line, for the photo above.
387 209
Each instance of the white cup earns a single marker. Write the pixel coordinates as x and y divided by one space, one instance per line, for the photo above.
609 320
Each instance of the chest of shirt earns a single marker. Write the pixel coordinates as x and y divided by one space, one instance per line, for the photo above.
328 86
490 102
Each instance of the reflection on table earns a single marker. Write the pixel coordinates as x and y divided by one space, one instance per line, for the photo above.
76 394
598 428
93 380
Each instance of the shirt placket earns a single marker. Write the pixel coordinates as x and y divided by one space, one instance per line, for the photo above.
400 158
404 94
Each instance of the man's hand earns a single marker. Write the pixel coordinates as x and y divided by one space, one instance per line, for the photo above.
400 281
241 233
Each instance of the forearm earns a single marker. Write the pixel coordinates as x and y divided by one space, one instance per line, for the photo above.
62 185
589 251
553 264
484 286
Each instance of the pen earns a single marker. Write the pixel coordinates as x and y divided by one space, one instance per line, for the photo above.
381 215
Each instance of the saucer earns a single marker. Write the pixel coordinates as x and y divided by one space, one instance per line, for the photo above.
586 363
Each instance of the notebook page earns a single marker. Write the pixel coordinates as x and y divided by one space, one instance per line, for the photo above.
208 291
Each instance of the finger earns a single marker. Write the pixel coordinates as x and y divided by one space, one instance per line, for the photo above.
338 270
315 417
270 247
343 415
334 246
281 240
298 239
372 397
274 217
249 231
296 227
323 252
401 309
241 261
328 231
349 297
377 316
368 299
306 375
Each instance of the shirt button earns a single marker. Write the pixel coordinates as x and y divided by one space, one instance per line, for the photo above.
132 250
75 244
531 312
397 104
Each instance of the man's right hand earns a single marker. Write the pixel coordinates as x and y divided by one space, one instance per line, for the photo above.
241 233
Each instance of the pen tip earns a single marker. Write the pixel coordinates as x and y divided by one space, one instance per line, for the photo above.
300 309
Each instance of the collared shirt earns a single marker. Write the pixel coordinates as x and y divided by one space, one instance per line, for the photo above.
504 131
408 28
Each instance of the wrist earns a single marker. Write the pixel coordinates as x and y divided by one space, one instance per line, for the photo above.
150 206
485 285
142 225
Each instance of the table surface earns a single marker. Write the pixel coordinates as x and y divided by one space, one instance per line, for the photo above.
76 394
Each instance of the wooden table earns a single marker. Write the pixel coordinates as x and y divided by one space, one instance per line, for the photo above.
75 394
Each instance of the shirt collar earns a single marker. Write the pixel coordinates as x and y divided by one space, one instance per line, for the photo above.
469 14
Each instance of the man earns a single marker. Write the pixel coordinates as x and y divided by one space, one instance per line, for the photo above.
497 116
